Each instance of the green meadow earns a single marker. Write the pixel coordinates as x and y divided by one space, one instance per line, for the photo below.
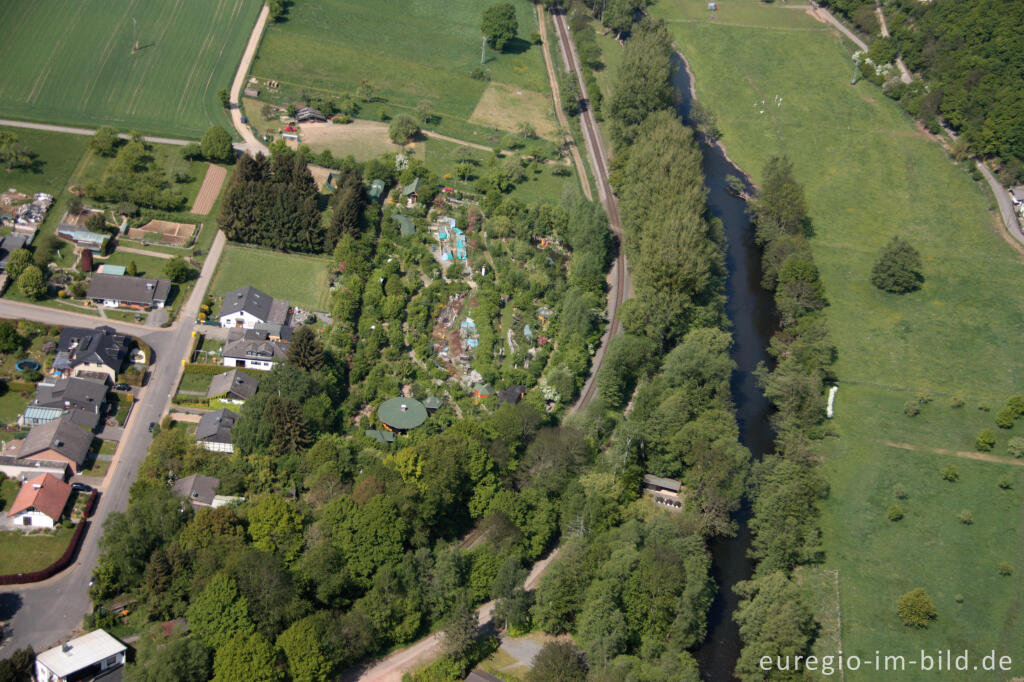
72 62
779 82
301 280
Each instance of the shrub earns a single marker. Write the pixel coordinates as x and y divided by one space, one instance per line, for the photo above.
986 440
959 599
1005 418
403 128
966 517
956 402
900 491
895 512
916 608
1005 482
950 473
1016 447
1005 568
912 408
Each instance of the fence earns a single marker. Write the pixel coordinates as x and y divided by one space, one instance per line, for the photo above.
65 558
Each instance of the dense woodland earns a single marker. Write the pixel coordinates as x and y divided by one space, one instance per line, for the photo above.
969 54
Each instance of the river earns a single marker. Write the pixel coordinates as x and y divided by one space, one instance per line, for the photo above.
752 312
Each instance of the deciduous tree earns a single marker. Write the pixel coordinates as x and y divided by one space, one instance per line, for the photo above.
499 24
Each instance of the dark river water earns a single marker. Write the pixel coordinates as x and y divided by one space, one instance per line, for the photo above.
753 317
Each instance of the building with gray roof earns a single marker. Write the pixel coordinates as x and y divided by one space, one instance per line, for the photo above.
233 386
253 349
214 430
58 441
200 490
95 351
115 291
248 306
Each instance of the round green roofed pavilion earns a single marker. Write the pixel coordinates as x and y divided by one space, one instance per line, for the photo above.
402 414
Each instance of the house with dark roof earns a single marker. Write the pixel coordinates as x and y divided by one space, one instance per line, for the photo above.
200 490
254 349
666 492
99 352
122 291
41 502
214 430
60 441
81 399
233 386
512 395
9 244
249 306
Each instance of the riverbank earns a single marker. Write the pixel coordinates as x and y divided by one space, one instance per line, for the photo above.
869 174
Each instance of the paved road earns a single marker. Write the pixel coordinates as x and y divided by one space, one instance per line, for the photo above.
251 144
50 611
1010 220
91 131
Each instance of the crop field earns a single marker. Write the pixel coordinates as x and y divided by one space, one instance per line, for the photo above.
301 280
779 82
72 62
409 52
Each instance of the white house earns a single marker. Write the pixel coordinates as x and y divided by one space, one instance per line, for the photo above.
40 503
247 307
253 349
80 658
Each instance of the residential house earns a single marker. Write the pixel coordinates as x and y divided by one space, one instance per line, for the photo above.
60 441
249 306
41 502
252 348
233 386
82 658
274 332
94 353
384 437
117 291
432 403
24 469
82 400
85 239
214 430
310 115
512 395
200 490
481 391
410 193
9 244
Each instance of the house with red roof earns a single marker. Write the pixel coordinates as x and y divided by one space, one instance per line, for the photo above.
40 502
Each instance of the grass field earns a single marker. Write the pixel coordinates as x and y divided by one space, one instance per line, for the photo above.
22 553
72 62
869 173
301 280
56 158
409 52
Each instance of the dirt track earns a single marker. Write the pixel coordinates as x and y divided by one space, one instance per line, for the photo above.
210 189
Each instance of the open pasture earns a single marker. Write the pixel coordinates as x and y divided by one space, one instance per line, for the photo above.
73 62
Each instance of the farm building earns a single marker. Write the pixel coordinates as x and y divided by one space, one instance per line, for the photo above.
248 306
121 291
81 658
401 415
40 502
310 115
252 348
234 386
214 430
376 191
85 239
251 92
92 353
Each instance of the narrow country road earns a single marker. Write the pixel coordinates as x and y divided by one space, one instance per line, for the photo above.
42 614
1010 219
88 131
904 71
581 170
251 144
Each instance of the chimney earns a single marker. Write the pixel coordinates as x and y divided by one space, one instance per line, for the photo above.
404 407
66 647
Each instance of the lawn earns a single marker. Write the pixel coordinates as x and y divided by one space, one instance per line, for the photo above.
409 52
869 173
24 553
301 280
56 156
74 63
12 404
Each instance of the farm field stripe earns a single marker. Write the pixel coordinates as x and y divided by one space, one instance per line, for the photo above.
45 74
207 41
159 41
108 50
234 17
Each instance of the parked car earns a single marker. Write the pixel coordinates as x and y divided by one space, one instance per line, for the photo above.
81 487
152 425
122 387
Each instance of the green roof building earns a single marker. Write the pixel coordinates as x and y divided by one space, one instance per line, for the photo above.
432 402
380 436
401 414
412 188
405 224
377 190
